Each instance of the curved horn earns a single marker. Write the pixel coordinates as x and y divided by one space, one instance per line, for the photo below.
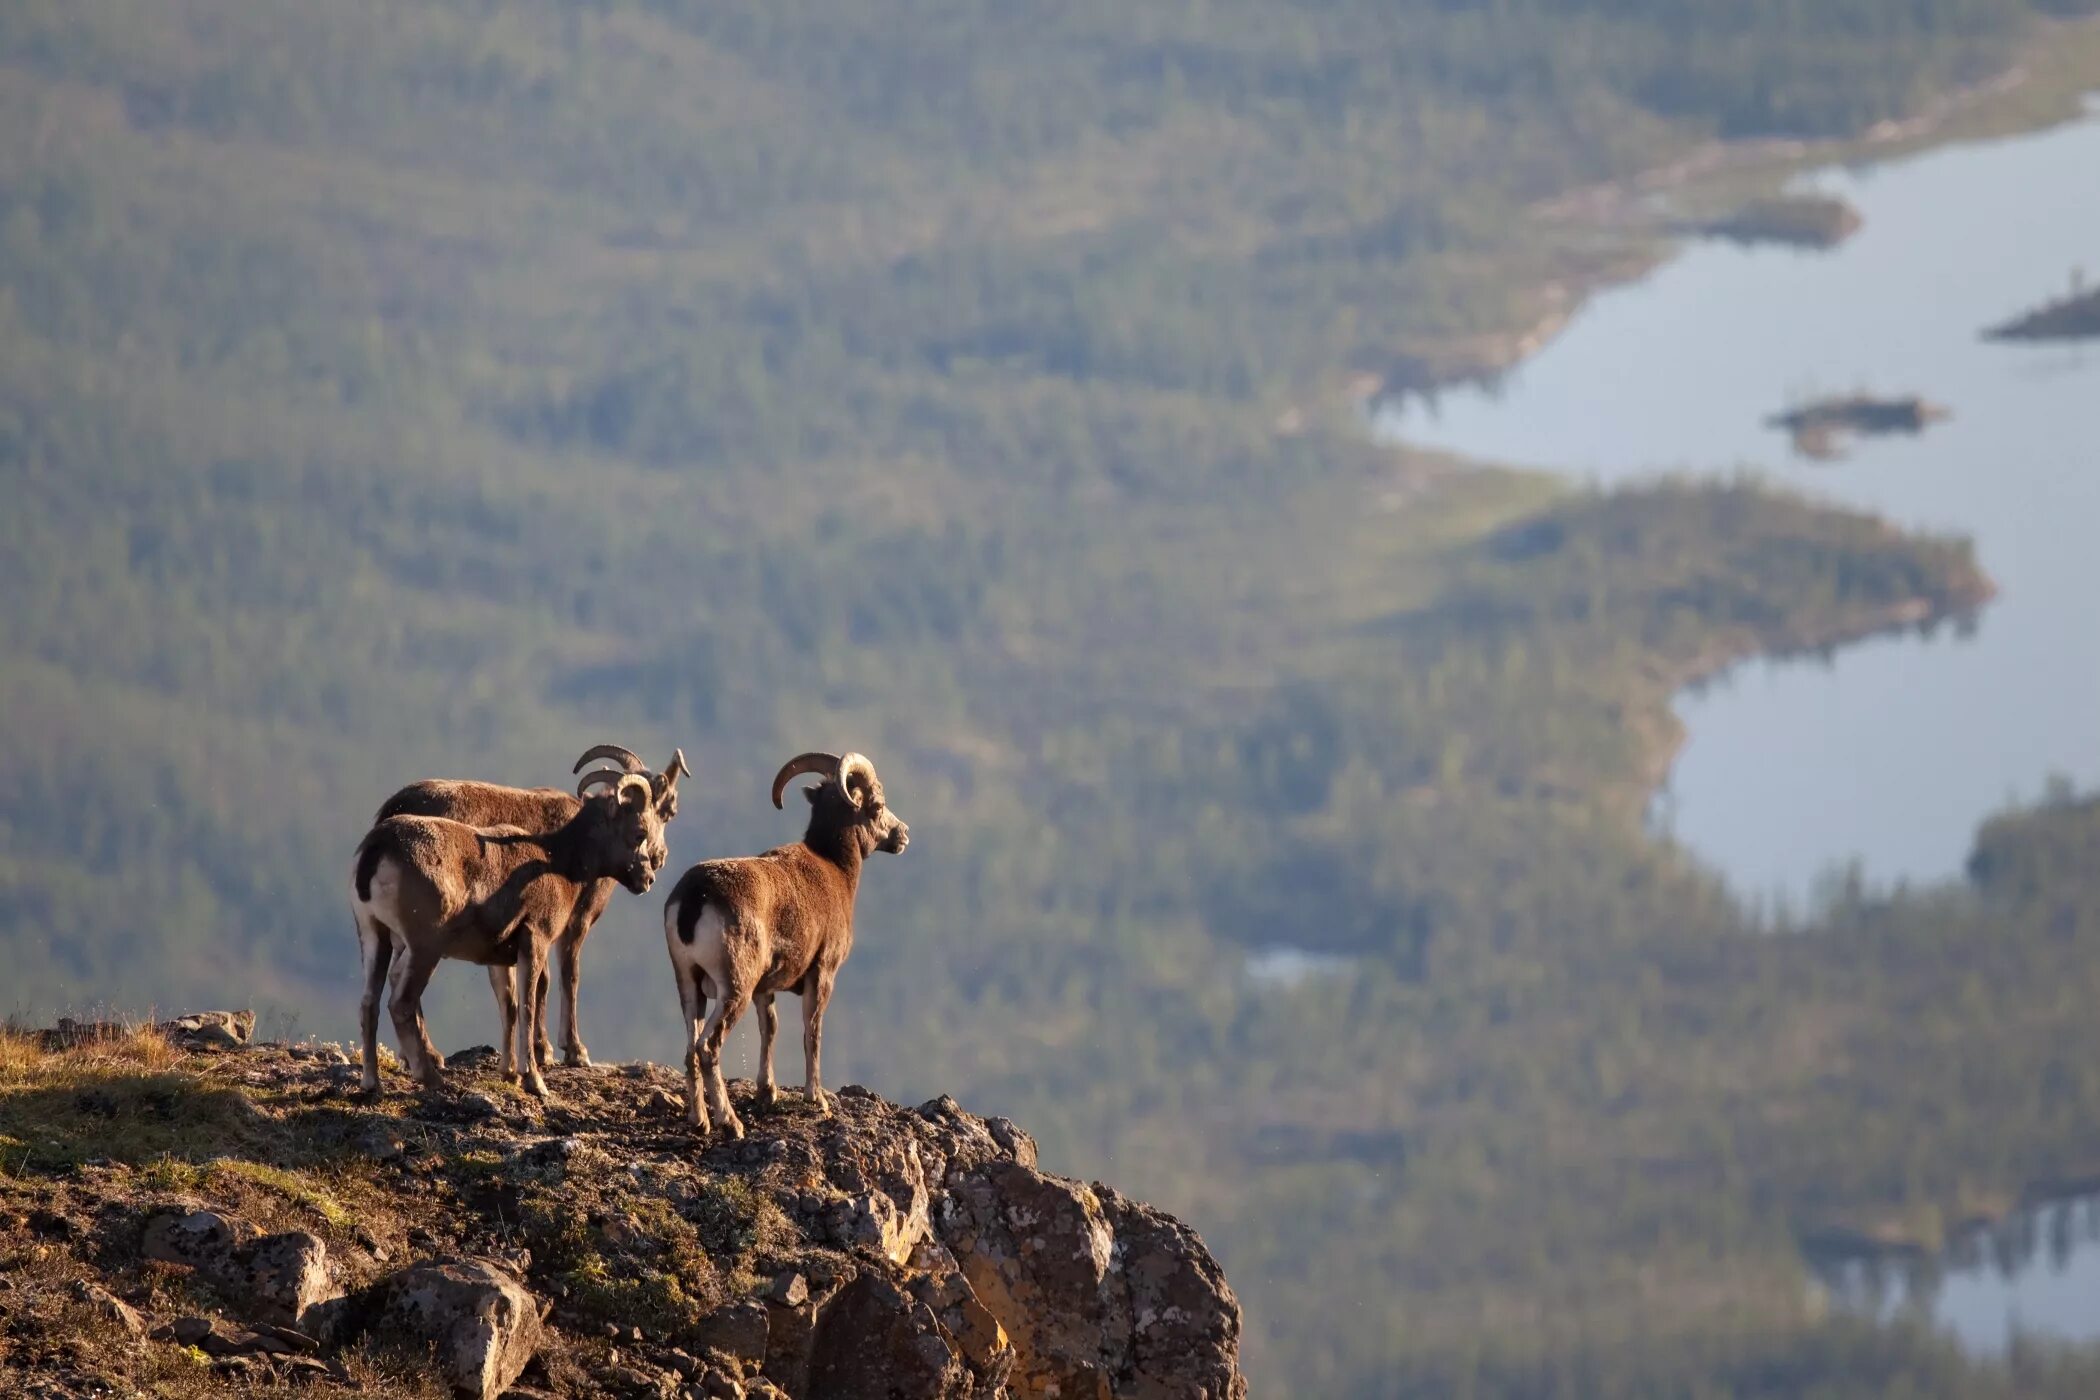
599 776
676 768
801 763
624 757
637 781
851 764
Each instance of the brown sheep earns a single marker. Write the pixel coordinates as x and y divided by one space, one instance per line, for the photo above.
742 930
428 888
538 809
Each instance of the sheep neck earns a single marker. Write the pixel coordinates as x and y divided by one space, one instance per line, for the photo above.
838 844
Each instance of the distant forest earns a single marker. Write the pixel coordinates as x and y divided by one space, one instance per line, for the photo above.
440 386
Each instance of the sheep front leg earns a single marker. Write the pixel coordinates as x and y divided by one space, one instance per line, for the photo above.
532 983
768 1027
816 994
500 982
573 1051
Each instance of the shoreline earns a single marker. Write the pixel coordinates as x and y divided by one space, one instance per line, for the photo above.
1918 613
1648 238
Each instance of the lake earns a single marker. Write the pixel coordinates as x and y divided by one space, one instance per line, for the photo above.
1891 754
2037 1274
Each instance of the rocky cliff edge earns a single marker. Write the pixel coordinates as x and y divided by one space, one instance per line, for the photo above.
184 1212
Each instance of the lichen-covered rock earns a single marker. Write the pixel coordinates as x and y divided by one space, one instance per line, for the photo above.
1102 1297
270 1278
197 1239
482 1324
283 1275
1185 1321
1038 1252
210 1030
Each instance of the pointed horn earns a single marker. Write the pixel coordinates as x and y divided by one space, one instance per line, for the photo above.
664 784
812 762
624 757
851 764
600 776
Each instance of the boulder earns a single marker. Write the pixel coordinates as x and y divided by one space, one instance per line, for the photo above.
740 1329
1184 1318
271 1278
1100 1296
197 1239
874 1341
283 1275
480 1322
210 1030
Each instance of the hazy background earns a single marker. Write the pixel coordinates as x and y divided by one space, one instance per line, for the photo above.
398 389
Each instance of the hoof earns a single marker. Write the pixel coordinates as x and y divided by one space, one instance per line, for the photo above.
368 1091
820 1103
536 1086
733 1128
764 1099
576 1057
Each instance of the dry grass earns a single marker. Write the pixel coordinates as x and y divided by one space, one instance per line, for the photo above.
25 1060
128 1097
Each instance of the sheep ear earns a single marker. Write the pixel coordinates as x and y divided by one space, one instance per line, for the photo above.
811 794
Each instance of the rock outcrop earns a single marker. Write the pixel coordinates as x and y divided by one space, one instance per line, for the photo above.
271 1278
592 1245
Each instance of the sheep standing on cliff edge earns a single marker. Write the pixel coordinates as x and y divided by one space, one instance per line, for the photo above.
428 888
539 809
743 930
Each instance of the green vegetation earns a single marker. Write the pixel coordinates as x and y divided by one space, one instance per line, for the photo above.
413 388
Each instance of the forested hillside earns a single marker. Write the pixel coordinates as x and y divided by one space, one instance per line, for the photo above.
391 389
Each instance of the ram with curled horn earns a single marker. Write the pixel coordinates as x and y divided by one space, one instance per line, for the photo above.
542 810
742 931
429 888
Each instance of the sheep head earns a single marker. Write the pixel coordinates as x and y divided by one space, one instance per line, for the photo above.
623 831
850 798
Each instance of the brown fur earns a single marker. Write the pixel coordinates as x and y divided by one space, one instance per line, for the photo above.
785 924
428 888
533 809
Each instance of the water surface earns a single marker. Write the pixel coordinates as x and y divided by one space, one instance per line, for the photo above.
1892 754
2037 1274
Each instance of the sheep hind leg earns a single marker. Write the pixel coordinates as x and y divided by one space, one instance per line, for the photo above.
505 990
411 974
376 942
768 1027
720 1021
692 996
